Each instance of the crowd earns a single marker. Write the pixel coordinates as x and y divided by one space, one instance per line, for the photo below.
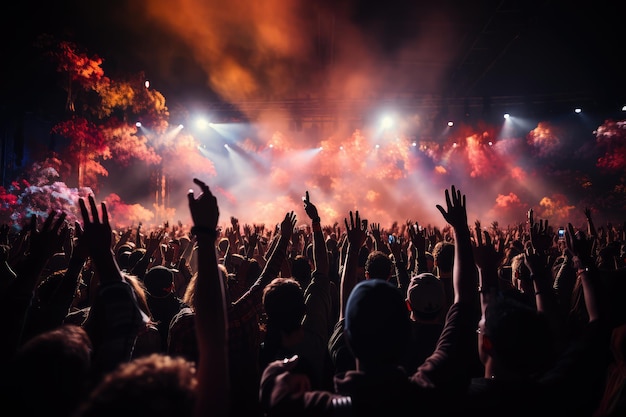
350 319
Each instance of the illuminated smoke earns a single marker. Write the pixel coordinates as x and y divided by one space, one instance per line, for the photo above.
544 140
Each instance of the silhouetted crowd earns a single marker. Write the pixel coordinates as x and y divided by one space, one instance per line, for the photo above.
323 320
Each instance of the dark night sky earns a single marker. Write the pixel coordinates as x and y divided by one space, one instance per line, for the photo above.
444 48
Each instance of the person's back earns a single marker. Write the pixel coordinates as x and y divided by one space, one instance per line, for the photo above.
377 331
519 340
426 300
443 262
162 300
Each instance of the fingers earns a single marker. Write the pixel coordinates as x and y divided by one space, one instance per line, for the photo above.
94 209
105 213
487 238
202 185
83 210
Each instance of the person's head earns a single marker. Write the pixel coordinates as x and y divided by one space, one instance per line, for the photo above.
378 266
516 337
50 373
426 297
283 301
301 270
134 257
377 324
443 257
155 385
159 281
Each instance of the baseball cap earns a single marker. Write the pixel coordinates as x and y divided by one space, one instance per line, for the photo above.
159 280
426 295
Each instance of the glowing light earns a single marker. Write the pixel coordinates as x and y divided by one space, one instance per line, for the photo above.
147 84
138 124
387 122
623 108
202 123
377 146
490 143
578 110
414 144
450 123
506 115
341 147
271 145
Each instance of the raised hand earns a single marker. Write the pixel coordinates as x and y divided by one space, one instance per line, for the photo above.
418 237
356 231
539 237
376 231
579 246
456 214
287 225
47 240
97 231
310 208
204 210
485 254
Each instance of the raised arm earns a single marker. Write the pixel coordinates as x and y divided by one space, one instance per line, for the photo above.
320 252
213 389
356 234
464 272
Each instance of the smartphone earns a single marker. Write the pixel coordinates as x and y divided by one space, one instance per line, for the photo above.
561 233
392 239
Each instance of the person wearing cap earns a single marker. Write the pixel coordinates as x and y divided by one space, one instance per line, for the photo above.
162 299
377 331
425 299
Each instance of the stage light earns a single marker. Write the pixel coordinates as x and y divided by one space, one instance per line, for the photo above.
578 110
490 143
623 108
450 123
341 147
138 124
377 146
387 122
202 123
506 115
414 144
